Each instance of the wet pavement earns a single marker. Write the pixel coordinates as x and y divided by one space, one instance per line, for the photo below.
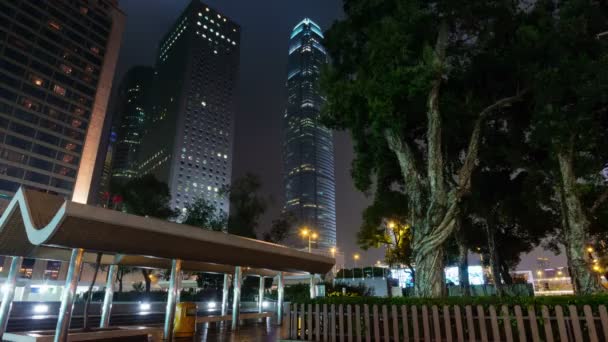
249 332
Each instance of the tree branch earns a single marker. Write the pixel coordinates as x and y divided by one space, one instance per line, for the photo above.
407 163
599 201
435 169
465 172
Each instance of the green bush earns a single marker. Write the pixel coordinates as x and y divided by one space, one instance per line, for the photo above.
549 301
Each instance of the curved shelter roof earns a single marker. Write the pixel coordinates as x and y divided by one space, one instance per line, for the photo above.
35 221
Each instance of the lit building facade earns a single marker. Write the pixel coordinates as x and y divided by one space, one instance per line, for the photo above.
131 112
308 146
57 61
189 136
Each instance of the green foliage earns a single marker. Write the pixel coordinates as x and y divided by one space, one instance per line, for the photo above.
246 205
280 228
202 213
139 287
147 196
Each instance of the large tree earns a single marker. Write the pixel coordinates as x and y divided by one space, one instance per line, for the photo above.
416 81
247 205
571 117
202 213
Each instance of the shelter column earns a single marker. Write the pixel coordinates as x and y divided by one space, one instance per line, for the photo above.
312 286
236 297
280 296
225 293
176 268
261 295
106 310
67 299
9 293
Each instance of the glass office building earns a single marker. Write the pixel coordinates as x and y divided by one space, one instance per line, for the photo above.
57 61
131 112
308 146
189 136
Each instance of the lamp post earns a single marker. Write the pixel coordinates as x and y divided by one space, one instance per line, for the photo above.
355 258
307 233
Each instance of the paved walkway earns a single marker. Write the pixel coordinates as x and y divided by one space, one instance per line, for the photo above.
250 332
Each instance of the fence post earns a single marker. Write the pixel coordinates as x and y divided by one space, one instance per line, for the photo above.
604 319
547 324
507 322
332 323
341 322
576 324
494 323
533 324
561 324
470 325
395 322
358 322
458 320
405 321
309 323
317 323
481 318
447 320
349 323
415 325
590 324
376 324
385 320
521 329
325 323
425 324
368 327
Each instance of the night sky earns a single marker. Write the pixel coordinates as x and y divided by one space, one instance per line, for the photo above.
266 25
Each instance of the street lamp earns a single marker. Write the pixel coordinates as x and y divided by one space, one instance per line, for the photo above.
356 258
307 233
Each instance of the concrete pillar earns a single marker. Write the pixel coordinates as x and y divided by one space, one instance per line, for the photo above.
9 292
106 309
280 297
236 297
176 269
225 293
312 287
69 292
261 295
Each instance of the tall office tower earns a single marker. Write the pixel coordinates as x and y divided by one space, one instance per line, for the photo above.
308 147
131 112
57 60
188 142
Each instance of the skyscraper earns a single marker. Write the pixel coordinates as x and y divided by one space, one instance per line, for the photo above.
57 61
308 147
131 112
188 142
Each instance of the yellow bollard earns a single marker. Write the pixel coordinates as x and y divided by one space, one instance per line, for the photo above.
185 320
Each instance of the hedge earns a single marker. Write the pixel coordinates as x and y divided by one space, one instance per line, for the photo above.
549 301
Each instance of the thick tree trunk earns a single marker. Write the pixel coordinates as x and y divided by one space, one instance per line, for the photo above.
494 262
430 279
147 280
504 271
463 261
576 229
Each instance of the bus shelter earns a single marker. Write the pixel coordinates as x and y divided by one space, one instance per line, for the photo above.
45 226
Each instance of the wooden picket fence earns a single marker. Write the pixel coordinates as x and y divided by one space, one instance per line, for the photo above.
448 323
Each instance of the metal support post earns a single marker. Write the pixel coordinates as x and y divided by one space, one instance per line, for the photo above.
69 292
236 297
106 309
312 286
261 295
176 268
225 294
9 293
280 297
